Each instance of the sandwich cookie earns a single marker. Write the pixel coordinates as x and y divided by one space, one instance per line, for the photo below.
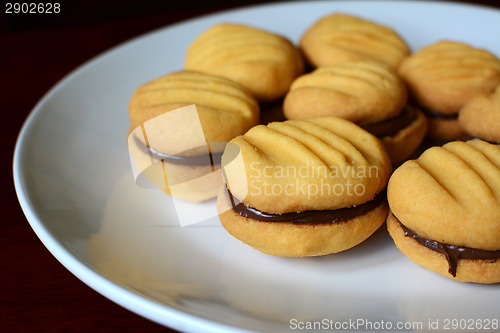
445 210
443 76
181 146
368 93
263 62
304 187
340 37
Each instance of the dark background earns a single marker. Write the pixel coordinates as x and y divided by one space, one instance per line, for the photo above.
37 50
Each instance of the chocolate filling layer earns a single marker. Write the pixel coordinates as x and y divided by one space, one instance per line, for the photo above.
437 115
452 253
193 160
308 216
393 125
204 159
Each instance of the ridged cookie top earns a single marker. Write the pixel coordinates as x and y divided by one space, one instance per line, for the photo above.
340 37
314 164
445 75
263 62
480 116
451 194
360 91
225 109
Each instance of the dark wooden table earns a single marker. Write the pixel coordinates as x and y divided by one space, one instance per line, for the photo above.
37 293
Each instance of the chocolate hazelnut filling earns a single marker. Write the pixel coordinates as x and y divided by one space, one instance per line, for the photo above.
452 253
393 125
195 160
437 115
308 216
211 158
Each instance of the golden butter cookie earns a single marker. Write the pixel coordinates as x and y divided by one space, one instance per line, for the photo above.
178 145
480 116
359 91
443 76
263 62
368 93
294 179
340 37
446 207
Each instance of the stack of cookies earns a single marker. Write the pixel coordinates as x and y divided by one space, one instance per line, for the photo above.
356 107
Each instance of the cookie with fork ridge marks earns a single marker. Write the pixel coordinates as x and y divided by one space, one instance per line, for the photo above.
445 209
263 62
304 187
341 37
180 146
443 76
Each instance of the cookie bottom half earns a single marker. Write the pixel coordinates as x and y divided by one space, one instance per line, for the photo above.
468 270
289 239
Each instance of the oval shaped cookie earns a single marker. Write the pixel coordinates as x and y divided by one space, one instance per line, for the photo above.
304 187
340 37
451 194
360 91
263 62
443 76
225 108
314 164
179 124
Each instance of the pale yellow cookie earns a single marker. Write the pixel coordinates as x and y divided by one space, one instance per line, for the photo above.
360 91
225 108
308 159
263 62
286 170
179 148
480 116
443 76
450 195
340 37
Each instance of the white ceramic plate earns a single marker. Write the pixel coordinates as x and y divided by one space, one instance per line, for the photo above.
75 185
